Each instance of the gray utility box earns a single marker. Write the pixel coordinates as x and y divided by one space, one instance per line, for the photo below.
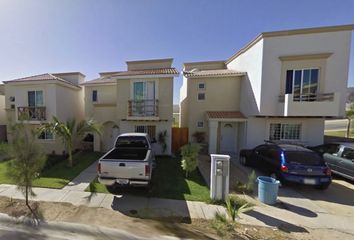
219 176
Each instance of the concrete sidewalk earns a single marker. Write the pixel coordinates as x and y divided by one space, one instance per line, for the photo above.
125 204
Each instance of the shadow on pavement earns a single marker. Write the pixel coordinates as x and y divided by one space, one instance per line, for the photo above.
336 193
274 222
296 209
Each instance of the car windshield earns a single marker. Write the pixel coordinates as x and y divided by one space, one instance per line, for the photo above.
132 142
305 158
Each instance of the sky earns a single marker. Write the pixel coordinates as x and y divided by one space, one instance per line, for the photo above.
41 36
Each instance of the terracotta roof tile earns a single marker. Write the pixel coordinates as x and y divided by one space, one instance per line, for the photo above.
225 114
154 71
216 72
40 77
101 80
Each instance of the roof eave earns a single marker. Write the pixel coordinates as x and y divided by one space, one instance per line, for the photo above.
146 76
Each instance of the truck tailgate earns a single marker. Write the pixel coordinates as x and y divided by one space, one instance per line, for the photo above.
124 169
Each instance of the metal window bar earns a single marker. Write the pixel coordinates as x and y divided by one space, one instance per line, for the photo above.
143 108
319 97
31 113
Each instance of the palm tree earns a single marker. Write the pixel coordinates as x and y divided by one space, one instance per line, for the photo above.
349 114
70 132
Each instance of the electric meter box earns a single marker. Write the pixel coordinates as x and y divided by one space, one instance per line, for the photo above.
219 176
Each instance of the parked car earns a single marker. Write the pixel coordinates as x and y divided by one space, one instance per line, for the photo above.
289 163
339 157
130 162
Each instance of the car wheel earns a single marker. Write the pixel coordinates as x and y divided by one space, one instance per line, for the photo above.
243 161
323 186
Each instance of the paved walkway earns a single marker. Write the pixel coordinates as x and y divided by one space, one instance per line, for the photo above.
81 182
125 204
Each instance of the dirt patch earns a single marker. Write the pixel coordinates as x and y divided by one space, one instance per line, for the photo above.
179 227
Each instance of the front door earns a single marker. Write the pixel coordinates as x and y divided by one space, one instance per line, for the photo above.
228 138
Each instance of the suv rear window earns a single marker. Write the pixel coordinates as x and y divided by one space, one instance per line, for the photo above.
132 142
305 158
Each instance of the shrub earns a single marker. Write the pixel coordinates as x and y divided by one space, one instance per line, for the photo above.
162 140
199 136
189 154
235 206
251 182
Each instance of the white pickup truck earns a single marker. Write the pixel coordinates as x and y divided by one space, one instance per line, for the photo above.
130 162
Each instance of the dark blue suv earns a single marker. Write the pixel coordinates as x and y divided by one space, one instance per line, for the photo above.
289 163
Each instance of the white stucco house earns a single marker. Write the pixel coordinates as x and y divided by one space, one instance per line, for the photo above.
38 98
280 86
139 99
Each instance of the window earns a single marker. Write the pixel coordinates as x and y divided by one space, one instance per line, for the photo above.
201 96
94 95
144 90
12 106
35 98
299 157
201 86
12 99
46 135
348 153
200 124
302 83
150 130
281 131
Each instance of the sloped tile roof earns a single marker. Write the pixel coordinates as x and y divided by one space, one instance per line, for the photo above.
101 80
225 114
154 71
40 77
212 73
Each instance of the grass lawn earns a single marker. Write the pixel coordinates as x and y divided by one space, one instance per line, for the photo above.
168 182
59 174
338 133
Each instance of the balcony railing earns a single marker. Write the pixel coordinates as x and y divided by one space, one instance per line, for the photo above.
31 113
323 105
143 108
319 97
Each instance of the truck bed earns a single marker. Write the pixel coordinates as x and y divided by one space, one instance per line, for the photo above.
126 154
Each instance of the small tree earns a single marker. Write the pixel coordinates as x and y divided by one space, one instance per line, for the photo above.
190 154
28 159
349 114
70 132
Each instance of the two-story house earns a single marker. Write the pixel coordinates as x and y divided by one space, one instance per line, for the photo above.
36 99
280 86
139 99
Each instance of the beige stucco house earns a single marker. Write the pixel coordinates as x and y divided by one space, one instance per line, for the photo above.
280 86
139 99
39 98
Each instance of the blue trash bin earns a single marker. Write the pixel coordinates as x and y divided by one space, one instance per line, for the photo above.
267 189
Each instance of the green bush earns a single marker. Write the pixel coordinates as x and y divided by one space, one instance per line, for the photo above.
4 151
190 154
235 206
53 160
251 183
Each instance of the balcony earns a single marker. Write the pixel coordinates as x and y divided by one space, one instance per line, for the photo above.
31 113
143 109
324 105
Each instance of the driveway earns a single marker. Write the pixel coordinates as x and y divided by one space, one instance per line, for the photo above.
300 209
